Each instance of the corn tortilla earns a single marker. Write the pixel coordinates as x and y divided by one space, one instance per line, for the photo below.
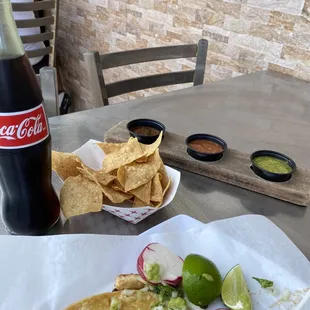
124 156
102 177
143 192
108 148
79 195
136 300
156 190
65 164
135 175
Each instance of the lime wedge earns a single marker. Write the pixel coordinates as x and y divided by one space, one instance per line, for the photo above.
201 280
235 294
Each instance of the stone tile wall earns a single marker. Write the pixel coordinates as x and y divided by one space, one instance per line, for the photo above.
244 36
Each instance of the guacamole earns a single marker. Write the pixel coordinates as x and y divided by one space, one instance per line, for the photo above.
115 304
152 272
177 304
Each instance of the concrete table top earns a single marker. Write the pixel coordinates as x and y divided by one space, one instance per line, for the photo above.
264 110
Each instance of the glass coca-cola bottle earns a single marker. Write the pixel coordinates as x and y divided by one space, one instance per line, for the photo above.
29 203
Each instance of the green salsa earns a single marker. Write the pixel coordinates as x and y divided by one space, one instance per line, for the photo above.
272 164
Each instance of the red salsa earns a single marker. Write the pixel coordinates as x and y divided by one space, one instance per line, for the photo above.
205 146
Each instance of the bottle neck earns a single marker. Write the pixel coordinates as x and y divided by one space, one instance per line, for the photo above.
10 43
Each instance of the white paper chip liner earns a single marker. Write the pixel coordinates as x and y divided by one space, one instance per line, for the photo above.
92 156
51 272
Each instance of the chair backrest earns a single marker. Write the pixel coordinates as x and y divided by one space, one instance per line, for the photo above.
49 22
96 63
48 81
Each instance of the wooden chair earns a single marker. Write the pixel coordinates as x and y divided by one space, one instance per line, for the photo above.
49 22
95 63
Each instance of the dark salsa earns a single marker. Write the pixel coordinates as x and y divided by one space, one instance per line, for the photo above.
205 146
145 130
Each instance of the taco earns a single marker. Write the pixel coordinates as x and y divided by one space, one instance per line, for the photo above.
127 299
132 292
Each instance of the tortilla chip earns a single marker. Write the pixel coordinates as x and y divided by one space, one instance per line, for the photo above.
167 187
165 179
65 164
100 176
87 175
149 149
118 188
121 176
79 195
141 160
115 196
108 148
157 204
125 153
157 190
134 175
137 203
116 185
124 156
143 192
113 172
112 194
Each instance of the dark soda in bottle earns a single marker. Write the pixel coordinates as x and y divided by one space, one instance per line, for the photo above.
28 202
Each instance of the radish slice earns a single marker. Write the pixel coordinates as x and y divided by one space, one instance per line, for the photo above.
156 264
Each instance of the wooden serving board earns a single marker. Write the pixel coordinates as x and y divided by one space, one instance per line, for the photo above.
233 168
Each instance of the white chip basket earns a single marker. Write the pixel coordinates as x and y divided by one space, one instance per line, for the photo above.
92 156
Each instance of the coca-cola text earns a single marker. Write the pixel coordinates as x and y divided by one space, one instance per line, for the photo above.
23 129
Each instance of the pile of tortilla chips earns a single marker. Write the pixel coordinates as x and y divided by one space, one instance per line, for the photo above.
132 174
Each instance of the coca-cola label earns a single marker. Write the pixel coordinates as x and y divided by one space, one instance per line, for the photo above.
23 129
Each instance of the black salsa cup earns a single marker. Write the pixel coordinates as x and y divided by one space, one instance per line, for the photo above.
149 123
272 176
205 156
